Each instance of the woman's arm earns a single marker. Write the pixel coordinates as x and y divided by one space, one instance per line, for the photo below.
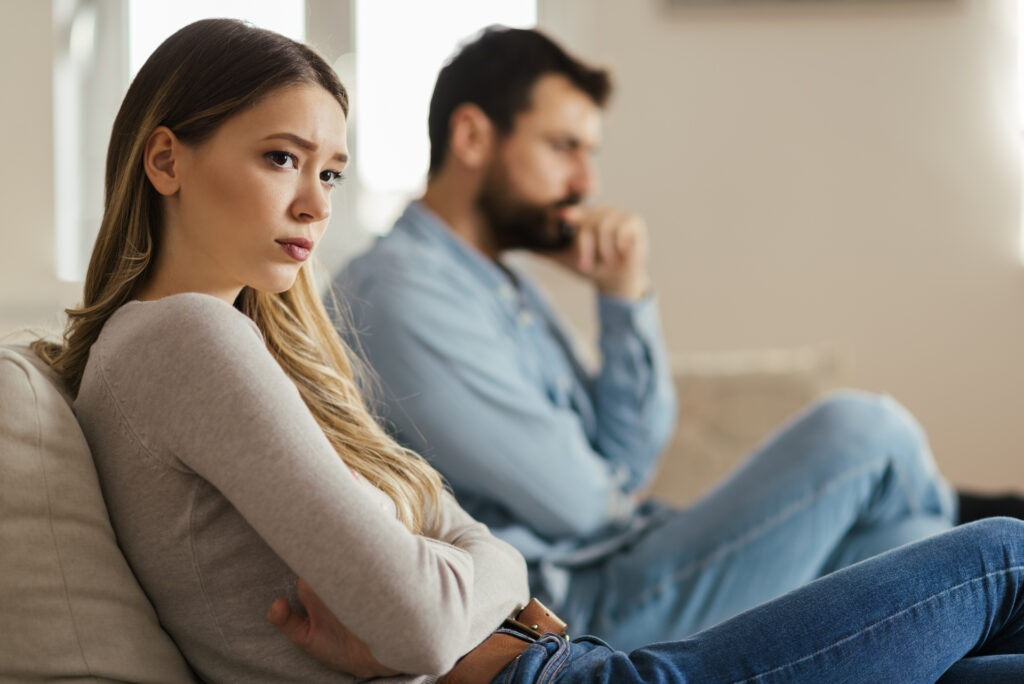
319 633
208 397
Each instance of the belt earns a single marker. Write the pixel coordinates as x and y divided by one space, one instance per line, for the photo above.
516 633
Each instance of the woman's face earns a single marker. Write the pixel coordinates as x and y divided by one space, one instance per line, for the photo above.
253 201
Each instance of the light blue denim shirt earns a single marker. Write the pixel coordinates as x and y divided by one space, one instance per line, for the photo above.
476 374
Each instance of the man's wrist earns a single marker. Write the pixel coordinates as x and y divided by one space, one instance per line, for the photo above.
633 289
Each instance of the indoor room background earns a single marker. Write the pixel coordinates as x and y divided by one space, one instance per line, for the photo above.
840 176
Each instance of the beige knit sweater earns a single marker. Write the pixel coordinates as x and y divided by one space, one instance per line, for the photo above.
222 489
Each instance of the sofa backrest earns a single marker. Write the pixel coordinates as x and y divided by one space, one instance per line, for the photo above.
70 607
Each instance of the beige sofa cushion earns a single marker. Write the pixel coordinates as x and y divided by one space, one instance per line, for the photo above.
72 610
729 403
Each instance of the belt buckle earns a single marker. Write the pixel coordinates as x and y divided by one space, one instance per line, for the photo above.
532 631
526 630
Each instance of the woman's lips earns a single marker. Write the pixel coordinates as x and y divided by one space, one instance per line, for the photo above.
297 248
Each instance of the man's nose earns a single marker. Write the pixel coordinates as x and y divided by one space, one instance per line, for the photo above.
584 179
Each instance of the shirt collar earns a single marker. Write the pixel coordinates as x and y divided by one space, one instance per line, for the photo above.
421 220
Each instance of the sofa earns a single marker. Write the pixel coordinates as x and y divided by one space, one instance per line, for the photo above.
72 609
730 402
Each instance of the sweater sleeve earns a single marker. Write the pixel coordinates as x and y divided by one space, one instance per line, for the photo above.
207 397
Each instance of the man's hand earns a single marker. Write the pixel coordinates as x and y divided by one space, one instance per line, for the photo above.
610 250
320 634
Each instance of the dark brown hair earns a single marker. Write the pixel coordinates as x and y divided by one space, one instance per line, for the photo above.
496 72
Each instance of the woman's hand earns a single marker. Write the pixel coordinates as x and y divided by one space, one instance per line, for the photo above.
320 634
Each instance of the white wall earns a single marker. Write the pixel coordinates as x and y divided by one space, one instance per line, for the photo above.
835 173
841 173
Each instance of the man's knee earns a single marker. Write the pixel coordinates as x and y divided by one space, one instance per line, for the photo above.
856 411
857 422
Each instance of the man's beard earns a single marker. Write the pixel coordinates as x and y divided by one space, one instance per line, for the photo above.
517 224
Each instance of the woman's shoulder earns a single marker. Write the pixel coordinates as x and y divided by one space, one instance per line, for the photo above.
177 319
183 331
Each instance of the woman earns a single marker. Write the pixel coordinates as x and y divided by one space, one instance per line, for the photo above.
236 454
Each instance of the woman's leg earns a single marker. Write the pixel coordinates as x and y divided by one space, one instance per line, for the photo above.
990 669
908 616
850 477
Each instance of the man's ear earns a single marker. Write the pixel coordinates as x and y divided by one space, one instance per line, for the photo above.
472 137
161 160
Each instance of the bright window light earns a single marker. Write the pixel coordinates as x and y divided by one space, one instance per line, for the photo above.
400 47
100 46
1020 109
149 23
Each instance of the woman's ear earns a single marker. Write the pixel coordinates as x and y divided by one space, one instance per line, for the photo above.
161 160
472 137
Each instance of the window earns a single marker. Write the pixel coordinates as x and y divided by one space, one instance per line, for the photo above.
396 66
150 23
390 74
1020 110
100 46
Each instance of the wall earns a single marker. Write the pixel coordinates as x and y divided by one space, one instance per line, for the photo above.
836 173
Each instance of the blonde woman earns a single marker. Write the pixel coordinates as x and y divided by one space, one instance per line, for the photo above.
236 455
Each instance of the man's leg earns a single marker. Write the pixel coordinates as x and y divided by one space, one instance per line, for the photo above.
909 615
849 478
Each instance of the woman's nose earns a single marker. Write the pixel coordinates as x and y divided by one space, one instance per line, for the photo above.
313 202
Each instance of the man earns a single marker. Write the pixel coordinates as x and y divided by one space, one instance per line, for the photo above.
477 374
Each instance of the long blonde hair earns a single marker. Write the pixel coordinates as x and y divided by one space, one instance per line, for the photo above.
196 80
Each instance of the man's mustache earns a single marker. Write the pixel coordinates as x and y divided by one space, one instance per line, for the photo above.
566 231
569 201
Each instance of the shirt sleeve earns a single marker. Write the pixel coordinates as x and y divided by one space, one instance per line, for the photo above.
453 388
633 392
208 397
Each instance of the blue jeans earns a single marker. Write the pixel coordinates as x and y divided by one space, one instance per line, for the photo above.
949 608
849 478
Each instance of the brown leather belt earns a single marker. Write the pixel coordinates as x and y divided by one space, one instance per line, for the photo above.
486 661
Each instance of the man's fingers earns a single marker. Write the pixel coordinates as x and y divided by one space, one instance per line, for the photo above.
584 247
608 228
625 240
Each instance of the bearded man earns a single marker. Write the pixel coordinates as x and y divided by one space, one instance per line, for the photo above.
477 374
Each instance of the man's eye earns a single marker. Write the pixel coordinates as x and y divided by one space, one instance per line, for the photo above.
283 159
332 178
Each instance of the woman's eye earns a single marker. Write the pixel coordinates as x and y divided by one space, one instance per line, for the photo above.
283 159
332 178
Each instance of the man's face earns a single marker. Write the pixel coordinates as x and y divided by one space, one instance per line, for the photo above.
543 169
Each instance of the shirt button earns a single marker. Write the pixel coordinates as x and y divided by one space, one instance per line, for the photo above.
524 318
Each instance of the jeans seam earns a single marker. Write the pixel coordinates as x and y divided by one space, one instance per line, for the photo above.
555 664
882 621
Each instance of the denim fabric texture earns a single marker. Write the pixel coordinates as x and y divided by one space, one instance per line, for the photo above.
849 478
478 375
948 609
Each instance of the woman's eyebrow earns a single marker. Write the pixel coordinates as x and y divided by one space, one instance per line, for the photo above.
304 144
